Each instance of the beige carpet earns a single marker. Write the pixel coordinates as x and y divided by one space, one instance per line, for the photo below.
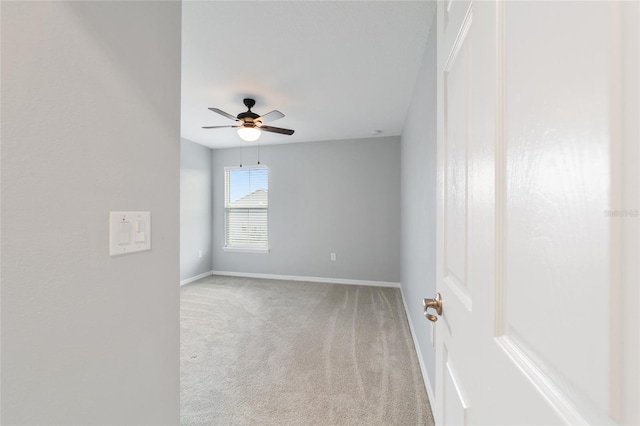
266 352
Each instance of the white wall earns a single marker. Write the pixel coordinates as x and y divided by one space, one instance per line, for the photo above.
195 209
90 123
333 196
418 159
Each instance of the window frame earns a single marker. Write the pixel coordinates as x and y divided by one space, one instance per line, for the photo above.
227 185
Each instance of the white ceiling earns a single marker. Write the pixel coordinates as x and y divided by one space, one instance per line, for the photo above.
336 69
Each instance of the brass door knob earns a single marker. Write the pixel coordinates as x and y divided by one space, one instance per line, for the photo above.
435 304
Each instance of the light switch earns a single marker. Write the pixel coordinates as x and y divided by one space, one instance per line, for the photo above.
140 234
125 233
129 232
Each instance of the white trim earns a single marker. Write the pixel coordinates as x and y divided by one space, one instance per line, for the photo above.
423 369
309 279
246 250
196 278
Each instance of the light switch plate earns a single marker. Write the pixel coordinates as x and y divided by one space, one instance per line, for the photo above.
129 232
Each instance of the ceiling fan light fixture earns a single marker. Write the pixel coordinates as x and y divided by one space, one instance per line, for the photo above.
249 134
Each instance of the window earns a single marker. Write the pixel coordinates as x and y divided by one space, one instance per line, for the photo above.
246 204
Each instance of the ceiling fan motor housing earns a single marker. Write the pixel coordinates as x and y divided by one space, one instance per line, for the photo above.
249 103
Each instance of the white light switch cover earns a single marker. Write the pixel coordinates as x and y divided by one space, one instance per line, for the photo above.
129 232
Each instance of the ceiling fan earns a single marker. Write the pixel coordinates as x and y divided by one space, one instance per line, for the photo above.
250 124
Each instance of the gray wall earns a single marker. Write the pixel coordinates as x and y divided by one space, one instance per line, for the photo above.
338 196
418 161
90 124
195 209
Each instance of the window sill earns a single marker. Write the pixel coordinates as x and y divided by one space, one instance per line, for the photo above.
246 250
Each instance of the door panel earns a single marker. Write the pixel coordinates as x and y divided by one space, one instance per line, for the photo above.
455 411
457 127
455 89
557 114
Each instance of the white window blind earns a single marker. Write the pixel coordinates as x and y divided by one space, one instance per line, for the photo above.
246 207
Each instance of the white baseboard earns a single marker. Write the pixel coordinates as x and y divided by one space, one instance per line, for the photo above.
196 278
309 279
423 369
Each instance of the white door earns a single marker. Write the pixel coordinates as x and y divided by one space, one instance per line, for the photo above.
537 213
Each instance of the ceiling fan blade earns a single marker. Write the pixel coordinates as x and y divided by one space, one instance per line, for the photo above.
276 130
226 114
219 127
270 116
